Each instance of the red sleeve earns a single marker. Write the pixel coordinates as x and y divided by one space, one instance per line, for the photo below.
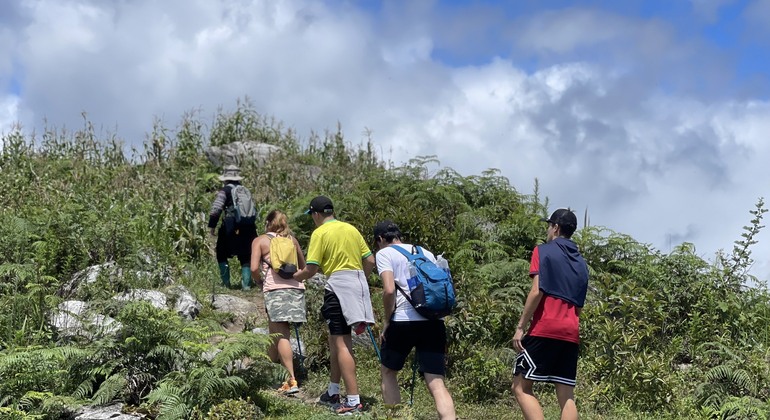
534 264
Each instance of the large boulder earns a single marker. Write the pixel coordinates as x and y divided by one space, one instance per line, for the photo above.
113 274
185 304
87 276
156 298
237 152
241 310
107 412
183 301
73 318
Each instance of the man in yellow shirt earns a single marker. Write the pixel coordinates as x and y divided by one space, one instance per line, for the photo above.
340 251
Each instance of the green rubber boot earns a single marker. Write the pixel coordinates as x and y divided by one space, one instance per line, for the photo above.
246 277
224 273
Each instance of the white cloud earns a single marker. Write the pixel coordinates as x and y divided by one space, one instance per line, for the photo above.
9 114
657 164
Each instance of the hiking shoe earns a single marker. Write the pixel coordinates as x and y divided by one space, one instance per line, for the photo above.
348 410
330 400
289 387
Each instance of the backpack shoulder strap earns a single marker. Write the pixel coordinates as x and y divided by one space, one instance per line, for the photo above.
409 256
403 293
229 194
404 252
269 240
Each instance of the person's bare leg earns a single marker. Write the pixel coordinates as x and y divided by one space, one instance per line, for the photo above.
334 368
566 396
444 404
522 390
282 345
390 393
342 346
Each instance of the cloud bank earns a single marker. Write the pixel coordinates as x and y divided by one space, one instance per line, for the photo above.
616 114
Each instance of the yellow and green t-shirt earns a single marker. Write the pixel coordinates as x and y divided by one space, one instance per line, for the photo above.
336 246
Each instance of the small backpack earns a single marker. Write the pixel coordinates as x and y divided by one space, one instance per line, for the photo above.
244 211
431 288
283 256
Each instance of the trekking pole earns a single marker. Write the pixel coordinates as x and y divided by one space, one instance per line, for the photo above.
414 378
299 349
374 343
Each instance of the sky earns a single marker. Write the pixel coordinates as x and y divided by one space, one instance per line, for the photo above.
652 115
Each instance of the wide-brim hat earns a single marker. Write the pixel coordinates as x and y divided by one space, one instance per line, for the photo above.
231 173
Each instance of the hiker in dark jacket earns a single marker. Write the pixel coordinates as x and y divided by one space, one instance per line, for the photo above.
232 239
549 350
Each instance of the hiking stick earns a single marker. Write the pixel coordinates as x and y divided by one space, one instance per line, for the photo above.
213 253
414 378
374 343
299 349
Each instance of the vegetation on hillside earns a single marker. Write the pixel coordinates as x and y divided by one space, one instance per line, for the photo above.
664 335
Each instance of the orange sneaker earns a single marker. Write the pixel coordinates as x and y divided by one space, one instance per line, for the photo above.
289 387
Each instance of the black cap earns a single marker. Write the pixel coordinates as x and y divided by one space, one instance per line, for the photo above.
320 204
565 218
385 226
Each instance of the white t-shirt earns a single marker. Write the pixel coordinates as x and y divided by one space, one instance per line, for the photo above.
391 260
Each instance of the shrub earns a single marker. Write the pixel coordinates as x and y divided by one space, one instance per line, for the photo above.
235 409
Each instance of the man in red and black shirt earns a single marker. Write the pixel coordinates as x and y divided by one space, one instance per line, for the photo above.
549 350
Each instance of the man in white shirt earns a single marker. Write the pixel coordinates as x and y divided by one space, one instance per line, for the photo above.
404 328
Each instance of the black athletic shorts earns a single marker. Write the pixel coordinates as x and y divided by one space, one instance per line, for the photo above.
429 339
547 360
331 311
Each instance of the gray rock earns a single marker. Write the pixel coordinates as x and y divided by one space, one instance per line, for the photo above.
242 311
237 152
88 276
74 319
210 354
234 305
156 298
108 412
262 331
185 304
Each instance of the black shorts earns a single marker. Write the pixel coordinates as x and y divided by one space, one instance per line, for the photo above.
429 339
547 360
331 311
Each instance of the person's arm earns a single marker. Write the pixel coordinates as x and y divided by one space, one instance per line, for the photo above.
256 259
309 271
533 299
368 264
300 255
388 299
216 210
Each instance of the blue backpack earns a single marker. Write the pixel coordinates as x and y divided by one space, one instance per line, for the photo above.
431 288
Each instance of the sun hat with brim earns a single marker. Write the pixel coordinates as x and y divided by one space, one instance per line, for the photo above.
231 173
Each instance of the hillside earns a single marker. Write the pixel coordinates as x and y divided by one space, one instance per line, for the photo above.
663 335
